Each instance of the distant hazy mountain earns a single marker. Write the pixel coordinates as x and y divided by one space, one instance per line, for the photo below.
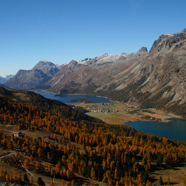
7 77
4 79
37 77
59 66
27 79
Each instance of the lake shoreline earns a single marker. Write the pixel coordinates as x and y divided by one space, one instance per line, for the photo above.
175 129
155 115
56 94
67 97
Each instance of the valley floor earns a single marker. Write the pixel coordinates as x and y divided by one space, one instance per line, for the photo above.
120 113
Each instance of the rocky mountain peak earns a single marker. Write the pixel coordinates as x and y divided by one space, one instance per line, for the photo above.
143 50
44 63
184 30
106 55
21 72
166 41
84 61
125 54
73 65
46 67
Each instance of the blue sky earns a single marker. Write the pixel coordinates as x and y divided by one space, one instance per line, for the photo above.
62 30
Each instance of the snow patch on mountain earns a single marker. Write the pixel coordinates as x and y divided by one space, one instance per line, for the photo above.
3 79
84 61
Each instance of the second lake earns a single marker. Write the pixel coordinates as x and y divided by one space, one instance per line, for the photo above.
174 129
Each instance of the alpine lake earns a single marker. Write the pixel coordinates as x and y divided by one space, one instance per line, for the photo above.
172 128
67 98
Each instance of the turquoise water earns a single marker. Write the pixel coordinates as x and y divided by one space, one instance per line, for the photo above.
174 129
66 98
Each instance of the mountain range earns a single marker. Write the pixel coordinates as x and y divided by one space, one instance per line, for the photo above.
152 79
4 79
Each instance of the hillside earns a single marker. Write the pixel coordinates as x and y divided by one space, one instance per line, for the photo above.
44 104
78 150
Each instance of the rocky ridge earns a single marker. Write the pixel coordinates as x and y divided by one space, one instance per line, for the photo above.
94 74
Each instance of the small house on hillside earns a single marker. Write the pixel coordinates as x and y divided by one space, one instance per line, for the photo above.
17 134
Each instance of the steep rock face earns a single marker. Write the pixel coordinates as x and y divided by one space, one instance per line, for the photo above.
166 41
167 59
27 79
94 74
71 78
48 68
160 75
